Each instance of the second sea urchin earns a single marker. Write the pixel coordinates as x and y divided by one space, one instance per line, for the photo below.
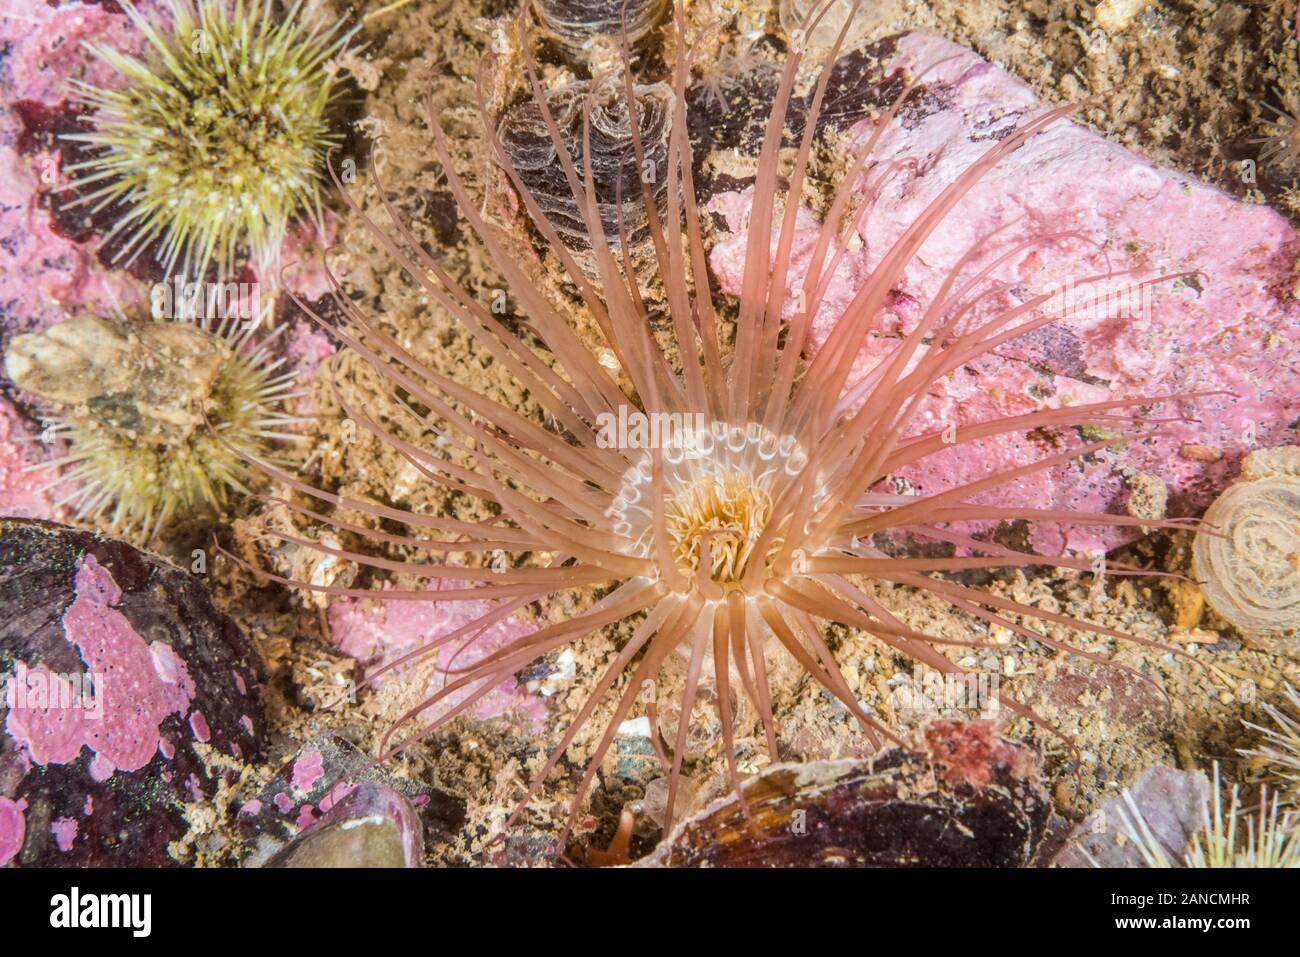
1281 144
768 517
216 140
158 418
1230 836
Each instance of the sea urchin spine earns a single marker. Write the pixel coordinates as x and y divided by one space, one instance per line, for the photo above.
159 418
217 139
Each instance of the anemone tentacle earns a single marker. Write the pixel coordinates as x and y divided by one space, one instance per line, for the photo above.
748 536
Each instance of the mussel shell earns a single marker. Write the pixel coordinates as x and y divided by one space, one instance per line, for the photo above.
893 812
373 826
289 816
129 818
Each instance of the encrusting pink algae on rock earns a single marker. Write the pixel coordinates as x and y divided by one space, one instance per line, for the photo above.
308 769
131 697
377 632
22 492
1231 325
45 272
13 828
136 685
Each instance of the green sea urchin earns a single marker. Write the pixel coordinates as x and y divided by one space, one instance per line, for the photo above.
215 141
1280 750
1281 144
157 417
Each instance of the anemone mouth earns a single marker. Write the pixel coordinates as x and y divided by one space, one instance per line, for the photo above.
719 484
721 517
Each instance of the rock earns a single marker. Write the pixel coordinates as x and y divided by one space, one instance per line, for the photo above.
1170 801
1148 496
23 492
373 826
964 798
376 632
129 696
1234 327
1109 693
318 787
525 846
44 268
1115 15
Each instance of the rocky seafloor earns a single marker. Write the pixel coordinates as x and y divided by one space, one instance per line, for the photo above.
235 734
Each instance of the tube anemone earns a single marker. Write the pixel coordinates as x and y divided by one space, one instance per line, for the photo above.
757 529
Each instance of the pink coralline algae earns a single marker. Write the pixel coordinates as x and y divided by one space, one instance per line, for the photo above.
378 632
1094 208
22 492
136 686
308 769
116 655
199 727
41 271
13 828
65 833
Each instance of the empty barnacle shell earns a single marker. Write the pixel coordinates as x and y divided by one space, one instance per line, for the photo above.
1248 561
145 377
616 174
705 727
794 14
576 23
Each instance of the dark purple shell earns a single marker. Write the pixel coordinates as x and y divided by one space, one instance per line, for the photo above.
119 670
971 801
